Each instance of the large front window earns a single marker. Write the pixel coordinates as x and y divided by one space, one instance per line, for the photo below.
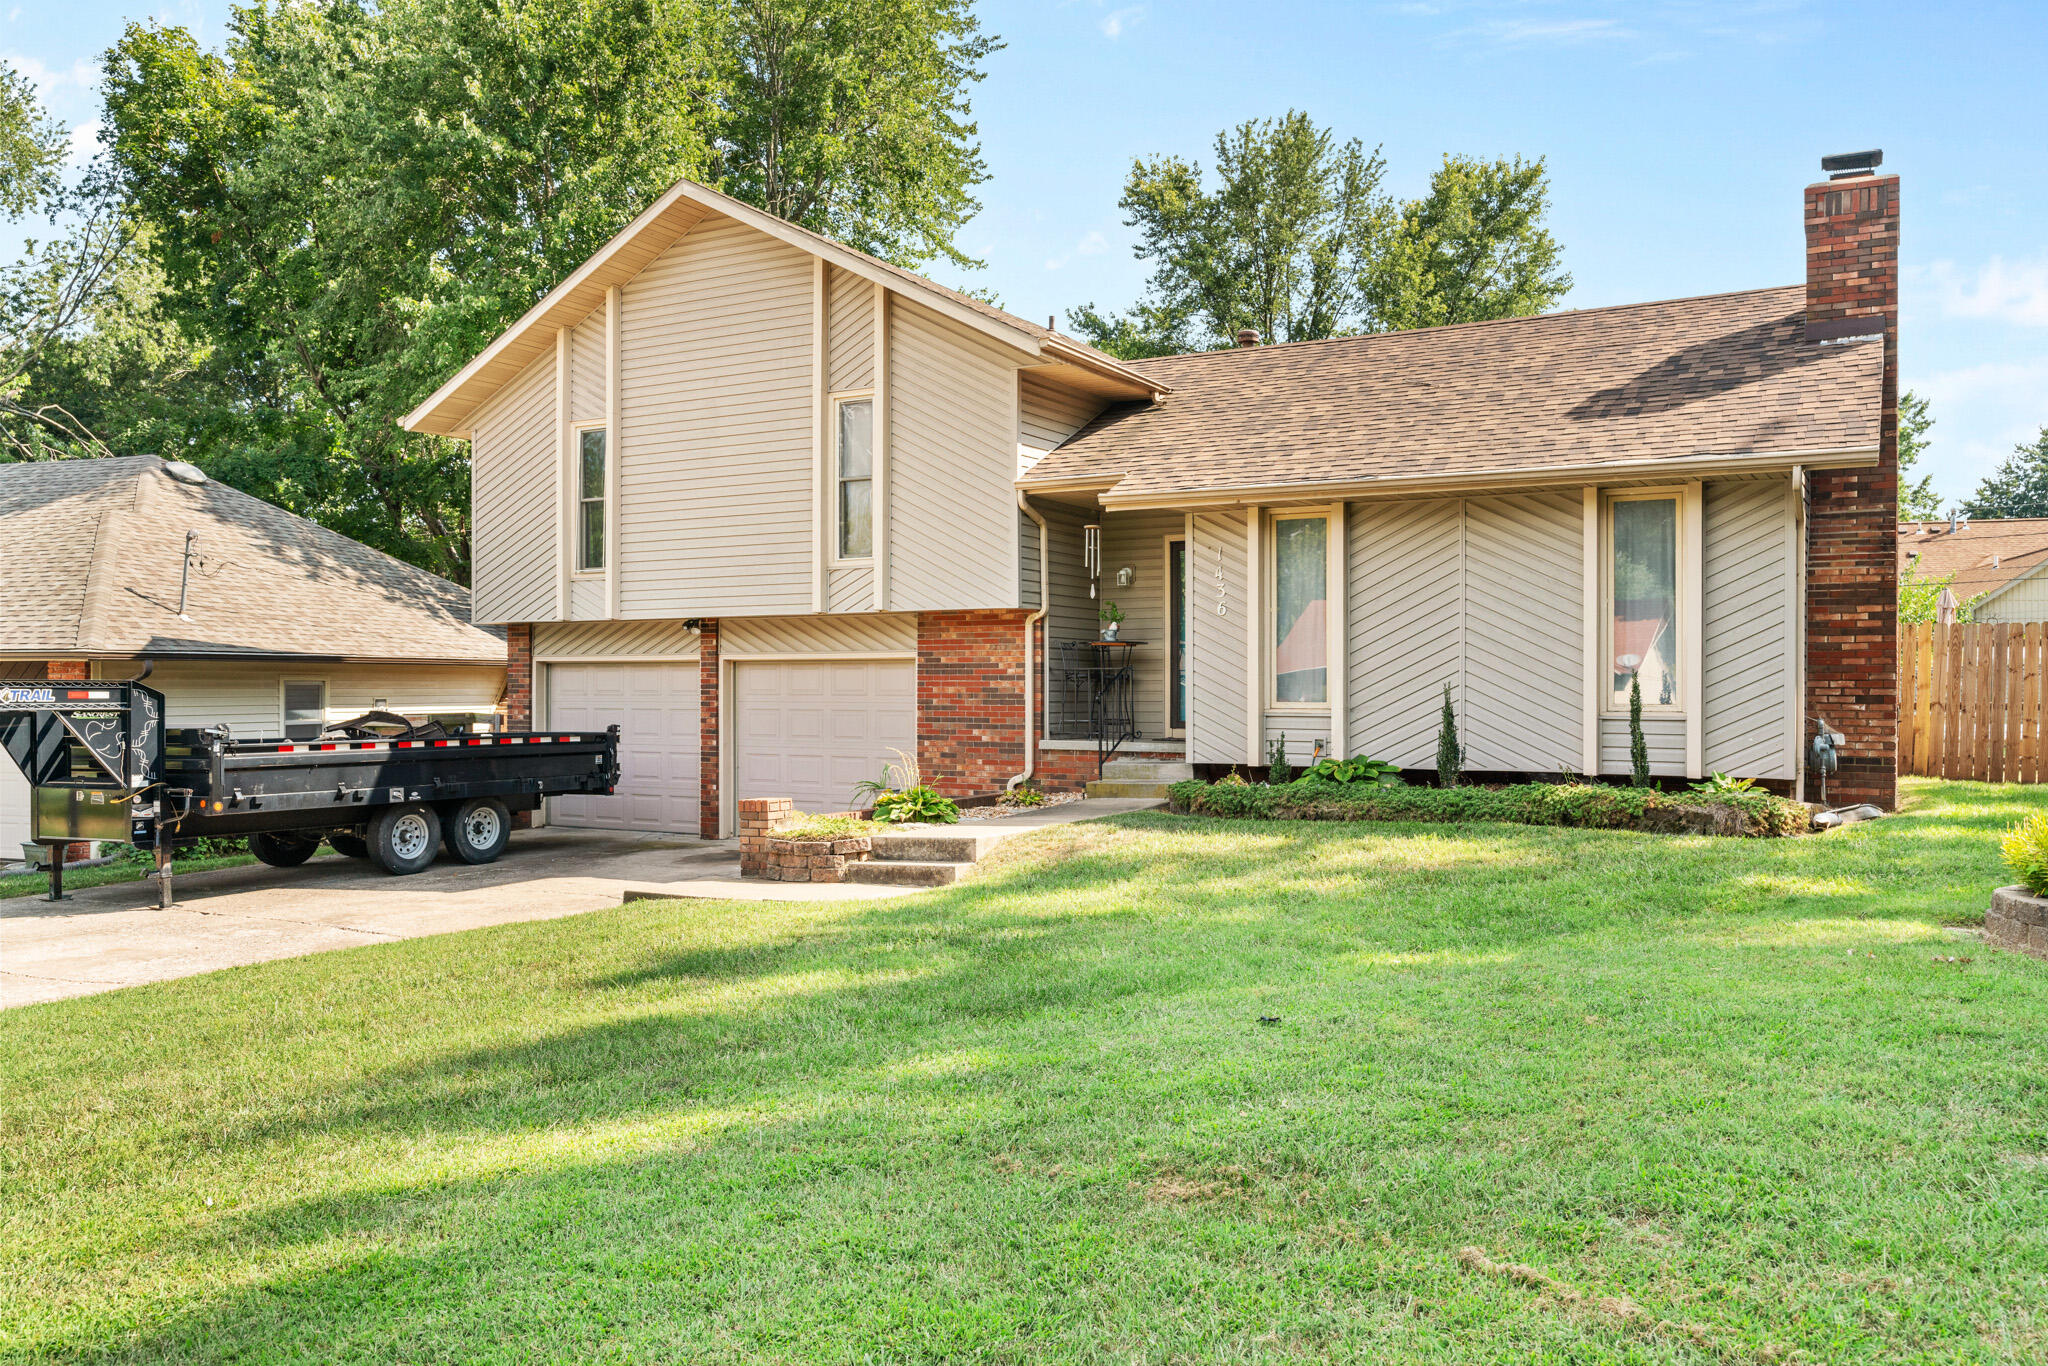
1301 586
856 475
1642 592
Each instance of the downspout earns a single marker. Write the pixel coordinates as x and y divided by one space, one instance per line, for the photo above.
1030 626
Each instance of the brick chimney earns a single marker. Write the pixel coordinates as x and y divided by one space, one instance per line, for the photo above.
1852 593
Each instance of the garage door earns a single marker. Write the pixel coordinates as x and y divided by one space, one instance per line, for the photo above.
655 709
810 730
14 826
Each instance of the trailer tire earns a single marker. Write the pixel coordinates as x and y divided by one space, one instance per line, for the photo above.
282 848
349 843
478 830
402 839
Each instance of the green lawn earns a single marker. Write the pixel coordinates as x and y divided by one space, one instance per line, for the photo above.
1689 1100
128 869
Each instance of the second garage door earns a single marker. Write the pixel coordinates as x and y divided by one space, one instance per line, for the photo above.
810 729
655 707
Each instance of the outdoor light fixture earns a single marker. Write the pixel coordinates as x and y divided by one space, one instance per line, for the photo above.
1126 574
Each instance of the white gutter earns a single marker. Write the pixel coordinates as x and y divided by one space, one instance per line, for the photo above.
1030 624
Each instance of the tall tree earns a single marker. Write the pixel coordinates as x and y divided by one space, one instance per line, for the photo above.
1918 501
1474 248
2019 488
352 198
31 145
1277 245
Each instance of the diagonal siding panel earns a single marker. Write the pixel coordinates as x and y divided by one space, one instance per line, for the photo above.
586 369
874 633
1405 626
1749 532
614 640
849 331
512 494
1219 672
1524 646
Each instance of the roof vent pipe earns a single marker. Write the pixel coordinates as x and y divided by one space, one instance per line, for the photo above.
1247 336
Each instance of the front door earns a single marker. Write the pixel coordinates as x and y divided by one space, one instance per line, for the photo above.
1177 636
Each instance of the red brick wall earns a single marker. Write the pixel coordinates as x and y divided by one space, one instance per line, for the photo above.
707 720
1070 770
75 670
519 678
1852 277
970 699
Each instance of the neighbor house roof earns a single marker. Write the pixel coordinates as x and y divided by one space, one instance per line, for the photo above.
665 222
1655 388
96 547
1984 556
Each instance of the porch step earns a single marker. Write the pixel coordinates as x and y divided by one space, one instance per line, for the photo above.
1119 787
931 846
894 872
1147 771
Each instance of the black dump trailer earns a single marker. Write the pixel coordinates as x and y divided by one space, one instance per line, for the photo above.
103 766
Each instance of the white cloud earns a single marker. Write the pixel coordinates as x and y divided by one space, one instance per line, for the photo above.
1523 32
1980 413
14 15
84 140
2005 291
47 79
1118 22
1094 244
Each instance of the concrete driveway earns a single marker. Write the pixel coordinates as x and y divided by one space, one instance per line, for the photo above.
108 937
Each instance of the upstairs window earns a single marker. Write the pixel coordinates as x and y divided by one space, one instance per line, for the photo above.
590 461
1642 601
856 478
305 710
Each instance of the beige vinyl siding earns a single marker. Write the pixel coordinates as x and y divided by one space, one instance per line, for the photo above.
1749 667
512 465
1138 540
1404 625
2024 600
1664 736
1047 416
1483 594
586 599
586 369
1071 615
615 640
1219 681
849 331
248 697
1031 593
951 455
850 589
1299 731
715 444
1524 704
16 824
875 633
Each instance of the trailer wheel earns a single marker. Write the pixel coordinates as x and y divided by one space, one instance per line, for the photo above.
479 830
402 838
282 849
349 843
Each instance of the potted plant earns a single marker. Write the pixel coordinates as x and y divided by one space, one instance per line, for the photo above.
1112 617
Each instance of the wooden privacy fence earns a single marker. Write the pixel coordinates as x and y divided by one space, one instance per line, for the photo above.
1971 701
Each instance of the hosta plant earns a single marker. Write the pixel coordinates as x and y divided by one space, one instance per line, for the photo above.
2026 853
916 804
1359 770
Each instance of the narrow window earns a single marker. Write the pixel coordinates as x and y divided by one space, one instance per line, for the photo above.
590 448
1642 621
305 710
1301 570
856 479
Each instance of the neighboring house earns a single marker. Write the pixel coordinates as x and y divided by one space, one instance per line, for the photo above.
1997 561
285 624
779 508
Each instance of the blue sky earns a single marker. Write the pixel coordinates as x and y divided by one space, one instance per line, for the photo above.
1678 135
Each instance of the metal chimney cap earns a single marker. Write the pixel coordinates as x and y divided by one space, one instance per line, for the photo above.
184 473
1853 163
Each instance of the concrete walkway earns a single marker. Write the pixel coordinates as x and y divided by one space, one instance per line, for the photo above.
109 937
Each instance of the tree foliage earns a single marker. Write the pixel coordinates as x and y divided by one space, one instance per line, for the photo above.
1297 239
350 199
31 146
1918 502
2019 488
1920 598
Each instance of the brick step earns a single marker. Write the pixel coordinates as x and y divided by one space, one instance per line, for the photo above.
929 846
1115 787
906 873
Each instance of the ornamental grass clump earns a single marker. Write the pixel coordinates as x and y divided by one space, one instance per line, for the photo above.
2026 853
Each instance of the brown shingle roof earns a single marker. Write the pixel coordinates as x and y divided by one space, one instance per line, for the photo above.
2018 544
1727 374
94 553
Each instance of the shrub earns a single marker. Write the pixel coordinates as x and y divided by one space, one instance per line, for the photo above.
1594 806
1359 770
1023 796
916 804
1278 770
1450 755
1638 748
2026 853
